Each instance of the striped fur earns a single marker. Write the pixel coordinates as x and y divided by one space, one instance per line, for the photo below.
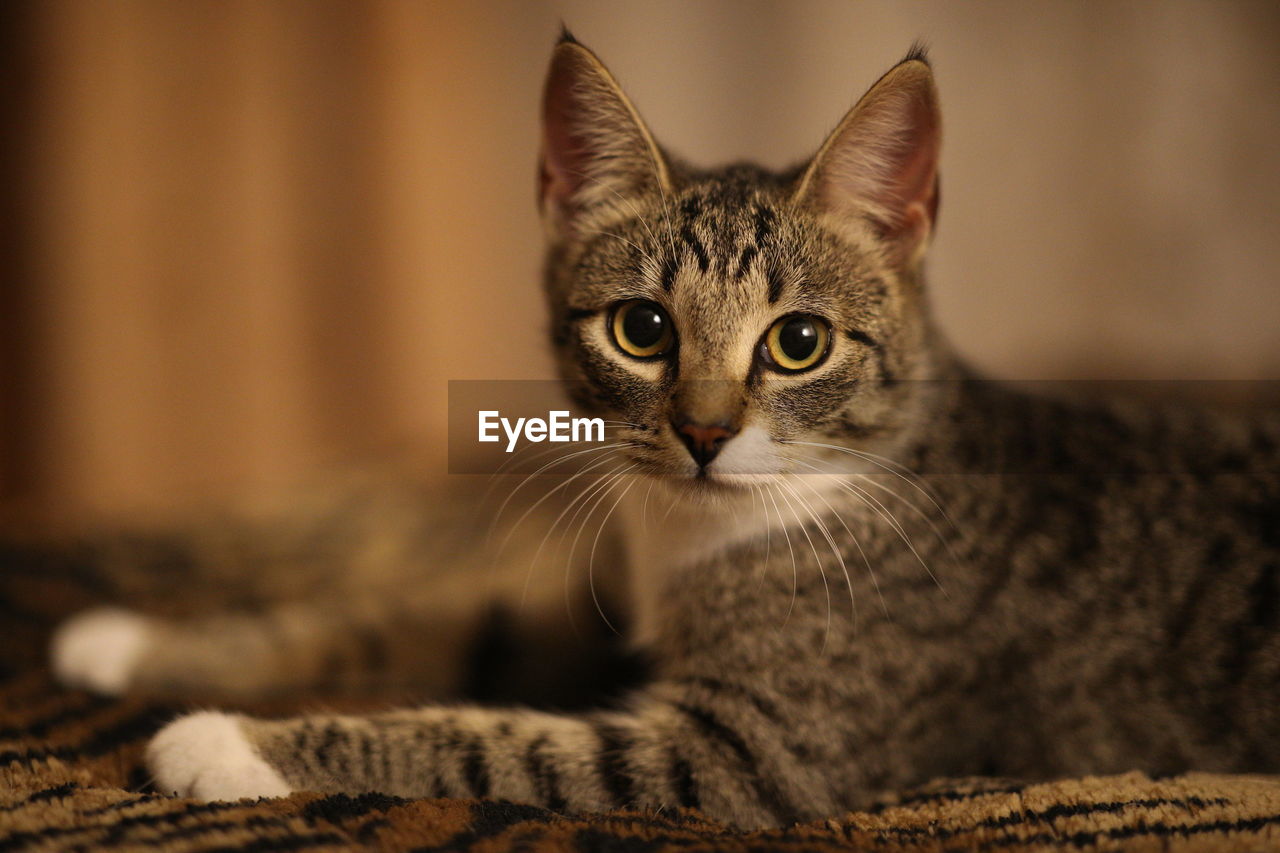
1062 587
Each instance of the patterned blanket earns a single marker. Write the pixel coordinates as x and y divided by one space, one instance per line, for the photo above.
71 778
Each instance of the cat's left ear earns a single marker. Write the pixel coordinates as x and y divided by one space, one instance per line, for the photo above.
595 149
881 163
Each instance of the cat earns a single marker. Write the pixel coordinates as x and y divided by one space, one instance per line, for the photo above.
875 568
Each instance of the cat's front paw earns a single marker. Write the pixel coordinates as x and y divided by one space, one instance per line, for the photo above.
207 756
99 649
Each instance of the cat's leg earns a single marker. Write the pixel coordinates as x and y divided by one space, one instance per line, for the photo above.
454 641
336 644
431 610
680 744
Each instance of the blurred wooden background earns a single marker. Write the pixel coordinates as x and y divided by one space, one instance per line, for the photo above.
246 238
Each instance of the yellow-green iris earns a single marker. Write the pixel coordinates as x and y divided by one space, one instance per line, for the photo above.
797 342
642 328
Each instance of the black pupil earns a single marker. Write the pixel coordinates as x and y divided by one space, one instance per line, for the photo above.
643 324
798 338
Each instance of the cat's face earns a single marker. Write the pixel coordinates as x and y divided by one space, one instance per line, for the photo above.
724 320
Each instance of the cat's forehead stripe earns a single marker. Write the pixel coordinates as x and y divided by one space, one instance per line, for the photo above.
670 266
763 222
695 245
717 229
765 219
748 255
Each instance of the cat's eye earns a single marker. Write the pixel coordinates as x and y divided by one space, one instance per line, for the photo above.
642 329
795 343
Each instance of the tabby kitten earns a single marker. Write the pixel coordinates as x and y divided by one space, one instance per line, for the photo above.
1068 587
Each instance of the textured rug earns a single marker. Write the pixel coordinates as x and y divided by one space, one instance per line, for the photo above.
71 778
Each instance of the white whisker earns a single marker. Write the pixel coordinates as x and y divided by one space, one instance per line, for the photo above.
591 560
897 469
563 485
881 510
556 523
795 576
852 537
826 587
566 457
597 500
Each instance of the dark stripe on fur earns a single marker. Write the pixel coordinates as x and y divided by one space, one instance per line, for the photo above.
886 375
862 338
302 746
1088 838
744 260
765 218
766 708
699 251
775 285
682 781
326 752
612 764
766 791
544 776
56 792
669 268
366 753
476 768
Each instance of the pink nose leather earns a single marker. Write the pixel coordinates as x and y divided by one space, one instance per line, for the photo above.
704 442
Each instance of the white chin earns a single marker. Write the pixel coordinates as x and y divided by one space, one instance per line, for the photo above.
739 481
749 458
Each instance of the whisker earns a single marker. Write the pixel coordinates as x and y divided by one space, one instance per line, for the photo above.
944 540
826 588
853 538
631 204
600 231
888 516
598 499
564 458
795 575
556 523
672 504
883 512
533 508
763 565
644 509
515 457
591 560
897 469
768 528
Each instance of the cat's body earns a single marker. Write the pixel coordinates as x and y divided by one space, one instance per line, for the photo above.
1067 587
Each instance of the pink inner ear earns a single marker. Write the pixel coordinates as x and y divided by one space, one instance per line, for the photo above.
557 141
886 162
561 170
918 172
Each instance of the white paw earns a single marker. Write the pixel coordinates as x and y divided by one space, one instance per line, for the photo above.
207 756
99 649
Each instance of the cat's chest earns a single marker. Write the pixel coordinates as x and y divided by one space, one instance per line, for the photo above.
669 545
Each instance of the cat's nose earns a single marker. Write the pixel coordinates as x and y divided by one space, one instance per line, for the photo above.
703 441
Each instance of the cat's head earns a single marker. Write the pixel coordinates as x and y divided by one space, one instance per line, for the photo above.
725 319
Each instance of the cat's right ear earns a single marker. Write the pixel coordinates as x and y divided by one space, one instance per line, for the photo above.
595 149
